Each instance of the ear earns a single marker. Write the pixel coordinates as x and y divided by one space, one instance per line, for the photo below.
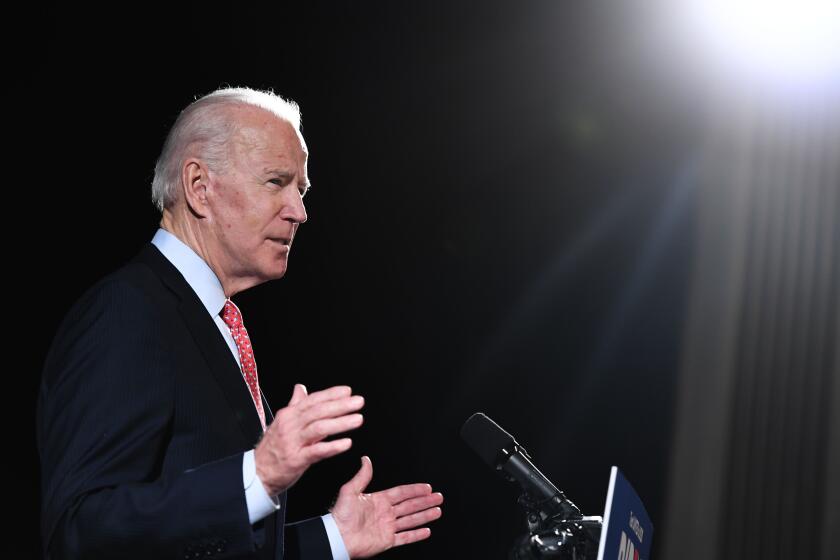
195 179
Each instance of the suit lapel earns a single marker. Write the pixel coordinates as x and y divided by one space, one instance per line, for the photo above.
269 416
209 340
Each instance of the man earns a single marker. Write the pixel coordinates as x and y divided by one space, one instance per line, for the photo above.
150 405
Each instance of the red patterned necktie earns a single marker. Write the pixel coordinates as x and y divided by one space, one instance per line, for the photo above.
233 319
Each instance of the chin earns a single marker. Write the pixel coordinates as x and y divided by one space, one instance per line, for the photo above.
277 272
273 268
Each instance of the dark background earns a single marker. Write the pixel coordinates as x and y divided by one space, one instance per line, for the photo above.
500 221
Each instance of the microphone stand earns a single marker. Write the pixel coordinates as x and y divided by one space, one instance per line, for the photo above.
556 528
556 537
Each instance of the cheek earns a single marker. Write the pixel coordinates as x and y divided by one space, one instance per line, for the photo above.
242 215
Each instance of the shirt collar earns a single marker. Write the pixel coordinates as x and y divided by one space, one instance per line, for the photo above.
192 267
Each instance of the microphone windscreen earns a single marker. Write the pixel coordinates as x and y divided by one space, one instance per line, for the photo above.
486 438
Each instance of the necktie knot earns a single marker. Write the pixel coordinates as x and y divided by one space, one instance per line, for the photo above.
231 315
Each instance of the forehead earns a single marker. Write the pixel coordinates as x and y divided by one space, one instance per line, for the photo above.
262 134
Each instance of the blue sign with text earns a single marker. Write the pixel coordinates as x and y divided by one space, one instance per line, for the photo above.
627 531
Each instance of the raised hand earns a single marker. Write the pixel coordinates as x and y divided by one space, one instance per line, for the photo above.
295 439
372 523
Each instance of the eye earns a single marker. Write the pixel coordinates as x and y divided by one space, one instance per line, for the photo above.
284 181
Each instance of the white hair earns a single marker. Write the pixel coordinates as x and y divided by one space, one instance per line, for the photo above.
206 127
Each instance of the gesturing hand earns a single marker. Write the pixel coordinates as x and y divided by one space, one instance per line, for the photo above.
295 439
373 523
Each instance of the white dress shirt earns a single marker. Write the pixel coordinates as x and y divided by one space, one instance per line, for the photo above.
207 287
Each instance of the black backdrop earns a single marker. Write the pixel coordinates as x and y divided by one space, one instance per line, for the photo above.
500 220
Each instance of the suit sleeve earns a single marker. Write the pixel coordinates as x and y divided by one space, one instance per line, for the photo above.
307 540
105 417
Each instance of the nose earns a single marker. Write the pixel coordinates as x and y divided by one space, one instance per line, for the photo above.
295 211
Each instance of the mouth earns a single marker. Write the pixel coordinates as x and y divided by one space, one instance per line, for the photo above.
281 240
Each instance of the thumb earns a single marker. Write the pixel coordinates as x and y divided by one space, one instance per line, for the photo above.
361 479
298 394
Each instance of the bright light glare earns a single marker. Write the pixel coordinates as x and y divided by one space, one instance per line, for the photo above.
792 40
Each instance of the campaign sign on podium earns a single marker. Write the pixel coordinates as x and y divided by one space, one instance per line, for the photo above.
627 531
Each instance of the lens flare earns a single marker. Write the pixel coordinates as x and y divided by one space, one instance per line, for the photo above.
793 41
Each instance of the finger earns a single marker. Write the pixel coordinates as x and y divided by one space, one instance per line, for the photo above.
406 492
408 537
361 479
326 449
332 393
321 429
298 394
418 504
419 518
330 409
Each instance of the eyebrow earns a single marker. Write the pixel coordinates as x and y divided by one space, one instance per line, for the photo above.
276 171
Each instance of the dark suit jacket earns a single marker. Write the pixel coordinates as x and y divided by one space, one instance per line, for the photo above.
143 418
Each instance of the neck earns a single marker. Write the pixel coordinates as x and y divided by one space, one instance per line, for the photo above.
192 235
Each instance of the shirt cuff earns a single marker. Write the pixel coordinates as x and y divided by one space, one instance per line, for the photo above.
260 504
339 552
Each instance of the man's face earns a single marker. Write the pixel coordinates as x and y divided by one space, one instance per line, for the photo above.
257 201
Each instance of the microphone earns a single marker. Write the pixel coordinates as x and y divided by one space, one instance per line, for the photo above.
503 453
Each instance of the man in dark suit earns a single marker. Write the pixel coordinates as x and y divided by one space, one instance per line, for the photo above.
150 406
